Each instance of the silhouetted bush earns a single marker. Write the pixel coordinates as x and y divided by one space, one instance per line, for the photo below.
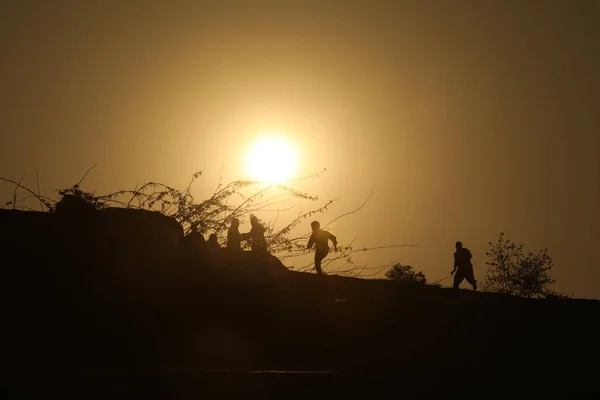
513 272
405 273
237 199
214 214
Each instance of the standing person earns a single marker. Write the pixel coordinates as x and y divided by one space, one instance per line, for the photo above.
321 240
462 262
194 241
257 235
234 238
212 243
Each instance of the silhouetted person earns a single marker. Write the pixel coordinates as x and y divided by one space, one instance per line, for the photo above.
321 240
194 241
463 266
257 235
212 243
234 237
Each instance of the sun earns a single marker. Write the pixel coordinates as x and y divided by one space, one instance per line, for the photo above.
272 160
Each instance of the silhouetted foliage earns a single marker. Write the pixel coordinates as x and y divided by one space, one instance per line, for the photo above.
235 200
405 273
511 271
554 295
44 202
74 197
214 214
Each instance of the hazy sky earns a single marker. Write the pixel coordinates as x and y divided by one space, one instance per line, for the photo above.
469 117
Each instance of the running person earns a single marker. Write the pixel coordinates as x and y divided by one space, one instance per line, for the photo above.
320 239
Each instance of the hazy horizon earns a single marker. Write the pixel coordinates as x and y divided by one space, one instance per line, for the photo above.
469 118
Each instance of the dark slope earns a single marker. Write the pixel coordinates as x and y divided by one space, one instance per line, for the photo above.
111 303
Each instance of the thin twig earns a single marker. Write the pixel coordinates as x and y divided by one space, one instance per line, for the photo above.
85 175
14 203
317 174
47 201
353 211
37 181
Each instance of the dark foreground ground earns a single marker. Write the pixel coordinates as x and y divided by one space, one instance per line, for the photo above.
289 337
86 317
276 385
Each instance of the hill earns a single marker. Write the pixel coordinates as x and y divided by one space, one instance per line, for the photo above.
116 301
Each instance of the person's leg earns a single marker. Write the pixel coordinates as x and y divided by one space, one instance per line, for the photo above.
319 256
458 278
470 277
318 259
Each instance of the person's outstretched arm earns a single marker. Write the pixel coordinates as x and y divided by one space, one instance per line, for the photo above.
334 240
311 241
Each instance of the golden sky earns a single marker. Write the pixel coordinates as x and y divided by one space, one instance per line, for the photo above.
469 117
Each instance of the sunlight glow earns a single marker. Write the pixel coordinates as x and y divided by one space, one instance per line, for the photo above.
271 160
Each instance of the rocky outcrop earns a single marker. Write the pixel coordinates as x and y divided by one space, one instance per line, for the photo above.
96 281
120 235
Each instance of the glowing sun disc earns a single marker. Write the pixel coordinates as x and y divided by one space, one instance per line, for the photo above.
271 160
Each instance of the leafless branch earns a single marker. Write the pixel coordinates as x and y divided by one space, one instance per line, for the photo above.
47 201
85 175
37 181
14 202
353 211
